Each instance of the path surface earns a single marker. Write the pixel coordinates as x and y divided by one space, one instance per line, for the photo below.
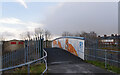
61 61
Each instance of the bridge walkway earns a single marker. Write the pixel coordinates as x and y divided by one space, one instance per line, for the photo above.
61 61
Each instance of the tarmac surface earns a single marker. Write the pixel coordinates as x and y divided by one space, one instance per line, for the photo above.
63 62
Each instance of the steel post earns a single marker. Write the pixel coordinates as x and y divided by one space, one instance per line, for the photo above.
1 43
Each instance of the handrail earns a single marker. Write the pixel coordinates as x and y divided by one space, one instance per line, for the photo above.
104 49
81 38
28 63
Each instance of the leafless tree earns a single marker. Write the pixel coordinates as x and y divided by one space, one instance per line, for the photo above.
2 38
22 36
38 31
47 34
5 35
91 34
77 34
65 33
26 35
47 37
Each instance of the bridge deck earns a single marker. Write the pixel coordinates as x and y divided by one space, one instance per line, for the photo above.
61 61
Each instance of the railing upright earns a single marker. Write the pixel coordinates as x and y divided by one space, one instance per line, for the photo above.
32 49
40 46
29 50
36 47
105 58
1 56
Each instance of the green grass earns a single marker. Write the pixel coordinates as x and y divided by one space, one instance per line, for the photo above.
102 65
37 68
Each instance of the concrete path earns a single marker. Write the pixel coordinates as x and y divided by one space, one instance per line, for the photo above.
61 61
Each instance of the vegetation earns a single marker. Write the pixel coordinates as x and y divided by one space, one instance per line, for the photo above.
102 65
37 68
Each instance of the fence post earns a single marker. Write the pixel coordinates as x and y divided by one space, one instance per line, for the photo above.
29 51
118 50
105 58
42 47
1 56
36 48
28 69
25 49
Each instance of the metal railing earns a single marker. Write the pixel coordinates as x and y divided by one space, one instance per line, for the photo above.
28 63
33 49
107 56
103 49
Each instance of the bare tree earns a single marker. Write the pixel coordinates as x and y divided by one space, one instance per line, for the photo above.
22 36
47 34
47 37
91 34
26 35
2 38
5 35
38 31
65 33
77 34
84 34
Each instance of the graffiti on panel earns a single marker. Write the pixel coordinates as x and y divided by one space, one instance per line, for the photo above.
57 43
70 48
81 46
72 45
54 43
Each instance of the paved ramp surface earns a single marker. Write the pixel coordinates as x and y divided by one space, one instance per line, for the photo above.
61 61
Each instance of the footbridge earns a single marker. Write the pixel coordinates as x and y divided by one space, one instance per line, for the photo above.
69 55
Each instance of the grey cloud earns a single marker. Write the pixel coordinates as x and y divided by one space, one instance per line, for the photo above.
100 17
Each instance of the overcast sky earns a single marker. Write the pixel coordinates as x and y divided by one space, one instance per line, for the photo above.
77 17
101 17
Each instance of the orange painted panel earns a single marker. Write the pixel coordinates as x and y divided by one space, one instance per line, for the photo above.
59 44
70 48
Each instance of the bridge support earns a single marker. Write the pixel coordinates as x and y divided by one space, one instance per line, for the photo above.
1 56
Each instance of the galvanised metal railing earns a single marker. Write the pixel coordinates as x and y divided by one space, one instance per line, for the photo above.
32 52
98 50
107 56
28 63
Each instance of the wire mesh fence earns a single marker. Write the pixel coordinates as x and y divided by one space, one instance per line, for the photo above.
103 49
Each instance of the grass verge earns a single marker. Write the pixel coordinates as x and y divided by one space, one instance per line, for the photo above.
36 68
102 65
